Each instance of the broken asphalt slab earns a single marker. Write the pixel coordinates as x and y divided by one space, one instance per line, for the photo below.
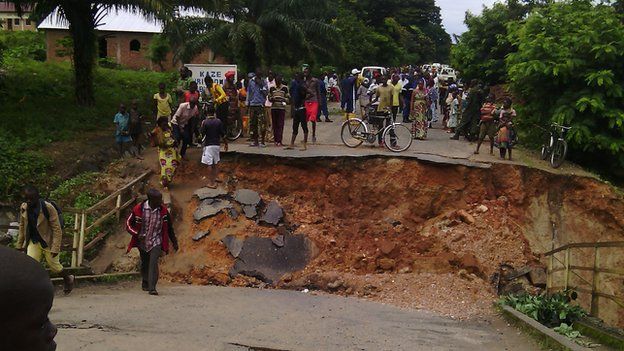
250 211
209 208
200 235
273 213
262 259
233 244
247 197
208 193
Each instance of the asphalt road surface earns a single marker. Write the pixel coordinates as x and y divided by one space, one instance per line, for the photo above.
187 318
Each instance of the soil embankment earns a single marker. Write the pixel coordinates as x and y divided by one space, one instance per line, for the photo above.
400 231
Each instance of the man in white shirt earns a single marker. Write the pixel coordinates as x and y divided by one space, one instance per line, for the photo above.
181 126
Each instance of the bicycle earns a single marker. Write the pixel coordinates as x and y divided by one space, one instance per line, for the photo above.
355 131
234 128
555 147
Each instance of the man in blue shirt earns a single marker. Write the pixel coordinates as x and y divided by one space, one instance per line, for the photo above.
256 97
323 107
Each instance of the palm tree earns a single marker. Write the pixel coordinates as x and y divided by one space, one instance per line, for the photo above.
260 32
83 16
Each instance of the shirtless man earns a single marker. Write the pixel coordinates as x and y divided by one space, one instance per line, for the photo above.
312 100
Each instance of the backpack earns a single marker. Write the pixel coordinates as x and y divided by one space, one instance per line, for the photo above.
46 213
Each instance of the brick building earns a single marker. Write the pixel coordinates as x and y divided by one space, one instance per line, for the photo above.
123 37
10 20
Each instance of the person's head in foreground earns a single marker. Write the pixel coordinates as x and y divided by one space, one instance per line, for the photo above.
26 296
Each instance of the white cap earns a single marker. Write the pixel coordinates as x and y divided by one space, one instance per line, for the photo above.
355 71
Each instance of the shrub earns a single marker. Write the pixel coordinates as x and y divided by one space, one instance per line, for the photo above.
22 45
549 310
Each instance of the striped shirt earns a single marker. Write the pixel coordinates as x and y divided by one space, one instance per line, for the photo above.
151 230
279 97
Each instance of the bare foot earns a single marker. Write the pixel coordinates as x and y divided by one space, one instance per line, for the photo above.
289 148
211 186
476 152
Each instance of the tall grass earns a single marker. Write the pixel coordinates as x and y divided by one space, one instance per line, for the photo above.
38 108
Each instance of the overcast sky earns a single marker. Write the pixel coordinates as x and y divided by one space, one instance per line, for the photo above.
453 12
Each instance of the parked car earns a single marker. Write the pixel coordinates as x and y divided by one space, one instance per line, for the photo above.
371 71
447 73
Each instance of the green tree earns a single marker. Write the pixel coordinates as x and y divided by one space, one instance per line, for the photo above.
412 29
158 50
260 32
568 68
480 52
83 16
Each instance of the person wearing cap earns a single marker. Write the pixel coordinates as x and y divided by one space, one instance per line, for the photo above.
363 98
349 93
256 98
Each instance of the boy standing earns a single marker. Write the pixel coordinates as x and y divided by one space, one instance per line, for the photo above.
122 133
213 131
135 127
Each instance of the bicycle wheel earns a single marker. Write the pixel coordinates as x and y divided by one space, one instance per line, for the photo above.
234 130
558 153
353 133
547 148
397 137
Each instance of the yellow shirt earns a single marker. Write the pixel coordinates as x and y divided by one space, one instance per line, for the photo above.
218 94
396 92
163 105
385 96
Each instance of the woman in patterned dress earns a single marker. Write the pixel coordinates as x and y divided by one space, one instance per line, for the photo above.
162 137
418 111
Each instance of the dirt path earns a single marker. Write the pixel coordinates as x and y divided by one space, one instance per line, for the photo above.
121 317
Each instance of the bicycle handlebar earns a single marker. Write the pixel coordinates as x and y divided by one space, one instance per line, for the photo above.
557 125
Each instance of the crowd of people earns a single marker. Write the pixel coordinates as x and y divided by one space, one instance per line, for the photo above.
417 95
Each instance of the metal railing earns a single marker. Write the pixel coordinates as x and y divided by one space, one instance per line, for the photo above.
82 216
592 287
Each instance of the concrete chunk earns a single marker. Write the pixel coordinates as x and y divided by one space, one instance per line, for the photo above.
273 213
208 193
233 244
247 197
200 235
250 211
209 208
260 258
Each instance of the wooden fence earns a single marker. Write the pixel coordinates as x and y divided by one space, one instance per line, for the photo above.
588 286
82 216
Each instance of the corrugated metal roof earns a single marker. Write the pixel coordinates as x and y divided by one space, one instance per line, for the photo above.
119 21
